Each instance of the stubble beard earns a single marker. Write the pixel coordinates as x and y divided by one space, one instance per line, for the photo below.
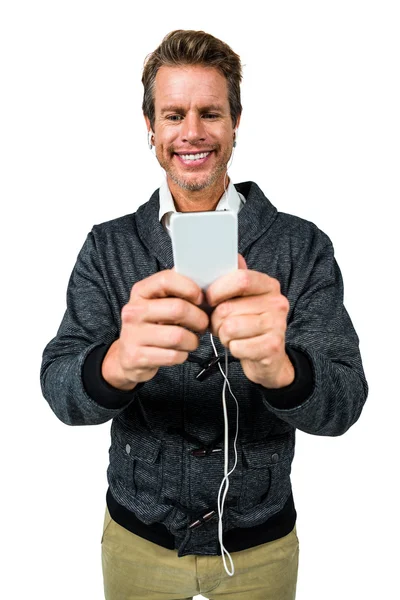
197 186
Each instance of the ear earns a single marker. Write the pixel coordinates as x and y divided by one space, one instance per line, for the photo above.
237 122
147 123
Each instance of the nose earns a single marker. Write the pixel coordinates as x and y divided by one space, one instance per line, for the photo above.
193 129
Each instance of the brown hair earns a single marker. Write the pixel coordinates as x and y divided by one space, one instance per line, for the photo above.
188 47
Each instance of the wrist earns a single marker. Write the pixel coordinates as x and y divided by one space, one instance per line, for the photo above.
282 378
112 372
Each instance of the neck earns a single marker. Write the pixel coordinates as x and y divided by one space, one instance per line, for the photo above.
201 200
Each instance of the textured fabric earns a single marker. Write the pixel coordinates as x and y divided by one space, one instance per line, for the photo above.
135 569
152 465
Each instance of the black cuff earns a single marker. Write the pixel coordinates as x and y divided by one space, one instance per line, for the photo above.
299 390
97 387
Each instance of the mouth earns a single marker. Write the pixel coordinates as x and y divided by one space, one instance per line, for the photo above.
193 158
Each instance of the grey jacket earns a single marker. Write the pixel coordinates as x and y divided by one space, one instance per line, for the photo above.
151 462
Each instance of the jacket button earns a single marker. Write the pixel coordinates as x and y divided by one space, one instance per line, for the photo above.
275 458
128 449
202 520
199 452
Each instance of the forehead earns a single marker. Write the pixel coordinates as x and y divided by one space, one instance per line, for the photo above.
190 84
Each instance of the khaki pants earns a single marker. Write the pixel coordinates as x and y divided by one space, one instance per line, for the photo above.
134 568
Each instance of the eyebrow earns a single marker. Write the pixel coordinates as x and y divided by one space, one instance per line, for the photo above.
181 109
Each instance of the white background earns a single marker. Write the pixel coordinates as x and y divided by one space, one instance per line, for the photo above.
320 135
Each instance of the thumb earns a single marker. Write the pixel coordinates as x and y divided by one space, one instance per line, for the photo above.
241 262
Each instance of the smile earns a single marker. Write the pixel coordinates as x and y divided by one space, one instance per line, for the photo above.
194 156
195 159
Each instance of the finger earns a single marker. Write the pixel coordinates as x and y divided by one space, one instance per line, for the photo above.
167 311
242 282
241 262
242 306
233 309
168 283
167 336
149 357
245 326
263 348
257 305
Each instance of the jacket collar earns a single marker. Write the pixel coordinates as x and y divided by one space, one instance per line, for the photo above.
254 219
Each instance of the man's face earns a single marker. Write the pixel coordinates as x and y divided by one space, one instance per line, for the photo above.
193 131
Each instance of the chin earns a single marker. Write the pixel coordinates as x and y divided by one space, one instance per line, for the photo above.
199 182
192 185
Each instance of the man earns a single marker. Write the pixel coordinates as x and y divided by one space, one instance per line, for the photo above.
135 336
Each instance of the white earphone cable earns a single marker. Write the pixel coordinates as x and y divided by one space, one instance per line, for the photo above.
223 490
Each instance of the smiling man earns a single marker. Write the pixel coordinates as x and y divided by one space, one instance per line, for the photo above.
134 338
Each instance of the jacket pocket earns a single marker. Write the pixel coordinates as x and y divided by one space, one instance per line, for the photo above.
148 472
122 464
135 461
266 465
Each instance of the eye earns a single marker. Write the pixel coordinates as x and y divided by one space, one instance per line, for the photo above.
174 117
210 116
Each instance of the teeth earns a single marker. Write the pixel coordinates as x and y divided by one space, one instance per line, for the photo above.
194 156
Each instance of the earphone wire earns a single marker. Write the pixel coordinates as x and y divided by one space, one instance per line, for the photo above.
224 487
225 481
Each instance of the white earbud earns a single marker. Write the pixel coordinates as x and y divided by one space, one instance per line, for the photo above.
235 138
149 136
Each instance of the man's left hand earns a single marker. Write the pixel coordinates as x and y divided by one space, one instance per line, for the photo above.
250 319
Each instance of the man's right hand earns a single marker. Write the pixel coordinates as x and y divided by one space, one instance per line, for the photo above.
154 332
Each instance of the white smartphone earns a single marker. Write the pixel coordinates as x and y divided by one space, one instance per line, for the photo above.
205 244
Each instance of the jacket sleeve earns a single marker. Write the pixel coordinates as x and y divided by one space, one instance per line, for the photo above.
320 328
87 329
